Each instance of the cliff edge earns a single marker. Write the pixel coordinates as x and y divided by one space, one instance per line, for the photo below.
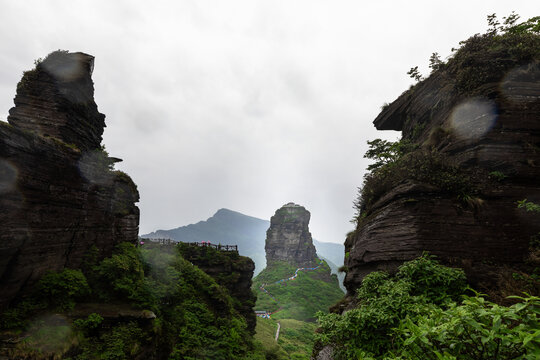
470 151
59 193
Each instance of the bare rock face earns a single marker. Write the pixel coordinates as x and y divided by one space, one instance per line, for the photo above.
58 194
288 238
492 134
57 99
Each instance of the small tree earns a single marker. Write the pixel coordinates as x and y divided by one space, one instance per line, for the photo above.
435 62
386 152
415 74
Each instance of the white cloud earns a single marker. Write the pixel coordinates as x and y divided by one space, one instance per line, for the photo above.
242 104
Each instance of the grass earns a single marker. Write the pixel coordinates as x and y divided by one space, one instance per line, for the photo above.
300 298
295 340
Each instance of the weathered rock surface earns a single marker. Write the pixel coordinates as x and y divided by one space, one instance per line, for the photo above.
495 128
58 196
66 110
288 238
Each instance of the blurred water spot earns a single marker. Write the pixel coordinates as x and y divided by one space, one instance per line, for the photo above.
512 84
49 334
8 176
94 167
66 70
473 118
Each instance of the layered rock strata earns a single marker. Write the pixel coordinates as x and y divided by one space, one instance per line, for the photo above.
492 134
58 193
288 237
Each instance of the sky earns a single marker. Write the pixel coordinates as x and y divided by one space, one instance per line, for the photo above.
245 105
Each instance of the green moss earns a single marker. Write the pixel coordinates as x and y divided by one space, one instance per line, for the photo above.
62 144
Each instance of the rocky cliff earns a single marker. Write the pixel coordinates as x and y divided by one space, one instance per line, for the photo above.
59 193
230 270
473 128
288 237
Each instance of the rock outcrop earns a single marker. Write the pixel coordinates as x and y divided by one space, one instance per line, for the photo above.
288 238
230 270
482 117
58 193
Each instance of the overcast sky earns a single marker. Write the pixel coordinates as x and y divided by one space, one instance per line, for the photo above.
245 105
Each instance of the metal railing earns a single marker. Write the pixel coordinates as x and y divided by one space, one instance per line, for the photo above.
198 244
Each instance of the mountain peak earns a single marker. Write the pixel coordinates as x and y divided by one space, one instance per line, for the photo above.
224 211
288 238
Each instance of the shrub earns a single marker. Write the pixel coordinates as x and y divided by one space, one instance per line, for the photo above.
60 290
476 329
122 276
528 205
384 302
90 325
436 283
413 316
123 342
386 152
487 58
422 166
63 288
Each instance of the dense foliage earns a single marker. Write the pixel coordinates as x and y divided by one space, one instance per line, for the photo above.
300 298
195 318
58 291
419 314
486 58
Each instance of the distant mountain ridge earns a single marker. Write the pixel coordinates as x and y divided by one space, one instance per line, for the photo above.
229 227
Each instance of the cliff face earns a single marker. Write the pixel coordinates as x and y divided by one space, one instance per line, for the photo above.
480 114
288 238
230 270
59 196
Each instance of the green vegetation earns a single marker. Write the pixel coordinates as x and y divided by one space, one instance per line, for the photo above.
195 318
486 58
529 206
295 304
497 175
58 291
422 313
295 338
31 75
47 335
300 298
386 152
397 162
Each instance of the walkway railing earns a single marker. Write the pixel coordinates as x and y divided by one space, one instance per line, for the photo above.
215 246
199 244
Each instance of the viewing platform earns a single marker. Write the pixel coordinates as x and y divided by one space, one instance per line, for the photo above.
198 244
